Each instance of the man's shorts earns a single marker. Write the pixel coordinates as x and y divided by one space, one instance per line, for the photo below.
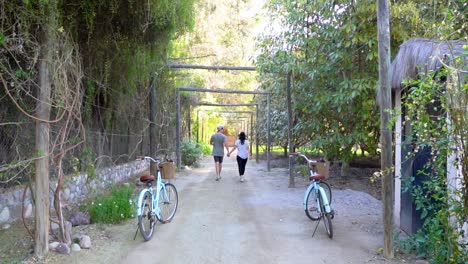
218 159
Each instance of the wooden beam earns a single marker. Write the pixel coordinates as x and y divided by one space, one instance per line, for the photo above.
230 105
216 90
214 68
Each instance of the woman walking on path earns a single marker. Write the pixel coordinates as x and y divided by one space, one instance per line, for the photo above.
218 141
243 154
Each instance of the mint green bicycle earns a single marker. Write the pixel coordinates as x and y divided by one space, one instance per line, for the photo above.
318 197
158 201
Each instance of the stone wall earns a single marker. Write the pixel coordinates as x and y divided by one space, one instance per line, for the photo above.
75 189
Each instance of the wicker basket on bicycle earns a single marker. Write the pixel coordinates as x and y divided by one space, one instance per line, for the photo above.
167 170
322 167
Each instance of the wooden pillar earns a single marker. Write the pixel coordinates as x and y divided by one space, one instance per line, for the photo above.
203 131
385 102
178 152
198 125
152 120
256 133
290 131
251 132
152 115
268 133
189 124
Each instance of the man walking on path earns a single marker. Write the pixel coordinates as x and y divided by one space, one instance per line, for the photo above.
218 140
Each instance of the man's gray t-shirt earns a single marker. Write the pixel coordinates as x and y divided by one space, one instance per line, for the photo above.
218 140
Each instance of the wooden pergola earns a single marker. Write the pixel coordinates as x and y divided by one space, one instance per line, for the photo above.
193 89
250 131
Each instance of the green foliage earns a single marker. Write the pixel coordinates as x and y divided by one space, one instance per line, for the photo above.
114 208
2 39
333 61
205 148
191 153
87 158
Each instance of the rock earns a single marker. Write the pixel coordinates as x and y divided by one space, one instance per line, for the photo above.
76 247
6 226
63 249
80 218
85 242
54 226
29 211
421 261
5 215
53 245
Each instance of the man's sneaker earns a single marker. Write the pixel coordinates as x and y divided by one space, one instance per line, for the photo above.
242 178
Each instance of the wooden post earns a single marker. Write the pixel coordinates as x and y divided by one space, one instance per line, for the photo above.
256 134
152 120
251 132
189 124
178 138
198 126
385 102
290 133
203 130
268 132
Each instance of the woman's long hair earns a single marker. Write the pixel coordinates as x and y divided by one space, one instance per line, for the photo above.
242 137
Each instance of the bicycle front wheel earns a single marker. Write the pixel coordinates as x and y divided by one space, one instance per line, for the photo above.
146 219
326 219
168 202
311 209
327 189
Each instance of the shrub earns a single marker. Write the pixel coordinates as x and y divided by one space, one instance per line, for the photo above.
113 208
205 148
191 153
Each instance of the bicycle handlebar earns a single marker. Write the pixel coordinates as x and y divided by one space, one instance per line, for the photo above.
147 158
309 161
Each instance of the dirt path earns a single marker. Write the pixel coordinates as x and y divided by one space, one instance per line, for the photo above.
258 221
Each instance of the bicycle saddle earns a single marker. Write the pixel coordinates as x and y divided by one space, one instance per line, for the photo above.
147 178
317 177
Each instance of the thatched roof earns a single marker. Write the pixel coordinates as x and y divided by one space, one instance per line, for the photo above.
416 55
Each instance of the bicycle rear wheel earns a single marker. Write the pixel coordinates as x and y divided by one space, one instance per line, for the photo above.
326 219
168 202
311 209
146 219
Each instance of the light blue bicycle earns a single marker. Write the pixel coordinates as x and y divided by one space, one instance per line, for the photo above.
158 200
317 198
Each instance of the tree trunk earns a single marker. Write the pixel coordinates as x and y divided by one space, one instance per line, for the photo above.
344 169
42 131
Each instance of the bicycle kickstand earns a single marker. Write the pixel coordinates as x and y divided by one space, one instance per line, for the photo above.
318 222
138 228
